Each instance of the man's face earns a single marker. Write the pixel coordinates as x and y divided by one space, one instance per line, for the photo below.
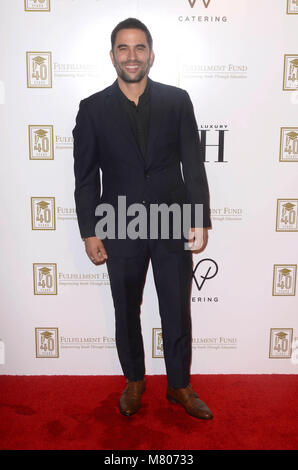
131 56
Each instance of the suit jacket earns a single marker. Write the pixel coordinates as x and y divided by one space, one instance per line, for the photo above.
103 139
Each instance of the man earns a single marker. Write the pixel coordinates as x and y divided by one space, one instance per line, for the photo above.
139 132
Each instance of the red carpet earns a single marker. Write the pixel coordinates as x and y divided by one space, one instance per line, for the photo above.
81 412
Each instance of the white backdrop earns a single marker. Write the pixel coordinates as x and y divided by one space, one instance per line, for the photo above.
238 59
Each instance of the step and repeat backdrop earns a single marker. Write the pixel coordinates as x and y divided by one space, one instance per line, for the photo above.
238 60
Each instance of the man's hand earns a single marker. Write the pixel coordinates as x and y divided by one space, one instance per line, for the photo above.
95 250
198 238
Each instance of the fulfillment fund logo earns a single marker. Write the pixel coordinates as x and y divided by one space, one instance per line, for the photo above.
157 343
290 78
45 278
280 343
39 69
288 144
286 215
43 213
37 5
284 279
292 7
41 142
46 342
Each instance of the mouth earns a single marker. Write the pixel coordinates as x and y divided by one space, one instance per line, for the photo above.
132 68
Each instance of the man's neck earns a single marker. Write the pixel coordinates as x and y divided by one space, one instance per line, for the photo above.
133 90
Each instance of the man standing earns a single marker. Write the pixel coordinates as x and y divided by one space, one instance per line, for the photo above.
139 132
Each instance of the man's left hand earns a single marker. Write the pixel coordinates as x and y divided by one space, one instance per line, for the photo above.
198 238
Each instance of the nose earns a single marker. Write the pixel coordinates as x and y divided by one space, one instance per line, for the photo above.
132 54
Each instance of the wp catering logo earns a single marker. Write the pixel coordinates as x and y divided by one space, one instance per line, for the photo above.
197 11
288 144
284 279
292 7
37 5
287 215
46 343
290 77
39 69
205 3
43 213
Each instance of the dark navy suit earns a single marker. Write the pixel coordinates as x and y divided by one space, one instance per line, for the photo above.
103 139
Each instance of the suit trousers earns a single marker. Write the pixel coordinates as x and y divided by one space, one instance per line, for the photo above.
172 273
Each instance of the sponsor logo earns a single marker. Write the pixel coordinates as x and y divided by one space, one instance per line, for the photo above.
41 142
213 141
290 77
76 70
288 144
284 279
43 213
83 279
46 343
157 343
286 215
292 7
45 278
213 71
227 214
87 343
39 69
219 342
37 5
280 343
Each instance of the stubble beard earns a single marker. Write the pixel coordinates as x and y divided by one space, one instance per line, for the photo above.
145 67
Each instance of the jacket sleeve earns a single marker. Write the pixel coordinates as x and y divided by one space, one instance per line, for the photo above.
86 171
193 166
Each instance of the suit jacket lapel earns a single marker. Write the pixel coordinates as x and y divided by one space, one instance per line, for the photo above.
157 110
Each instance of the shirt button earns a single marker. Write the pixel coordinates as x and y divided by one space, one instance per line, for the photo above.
144 202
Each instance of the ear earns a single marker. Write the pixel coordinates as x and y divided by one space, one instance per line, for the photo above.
152 57
112 56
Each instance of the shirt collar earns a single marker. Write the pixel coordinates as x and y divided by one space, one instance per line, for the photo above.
143 98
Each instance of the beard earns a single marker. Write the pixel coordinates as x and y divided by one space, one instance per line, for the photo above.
126 77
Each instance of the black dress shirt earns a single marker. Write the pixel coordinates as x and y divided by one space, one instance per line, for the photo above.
139 116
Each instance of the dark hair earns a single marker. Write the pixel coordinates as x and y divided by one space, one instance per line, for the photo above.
131 23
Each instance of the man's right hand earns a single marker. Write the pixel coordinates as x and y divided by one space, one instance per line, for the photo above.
95 250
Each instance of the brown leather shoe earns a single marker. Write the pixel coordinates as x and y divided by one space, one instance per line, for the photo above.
190 401
130 399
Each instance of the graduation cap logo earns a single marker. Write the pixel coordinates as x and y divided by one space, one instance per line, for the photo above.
284 272
292 135
288 206
44 271
294 62
40 134
281 335
46 335
38 60
43 204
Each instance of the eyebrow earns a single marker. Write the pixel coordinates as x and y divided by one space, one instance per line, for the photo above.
137 45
